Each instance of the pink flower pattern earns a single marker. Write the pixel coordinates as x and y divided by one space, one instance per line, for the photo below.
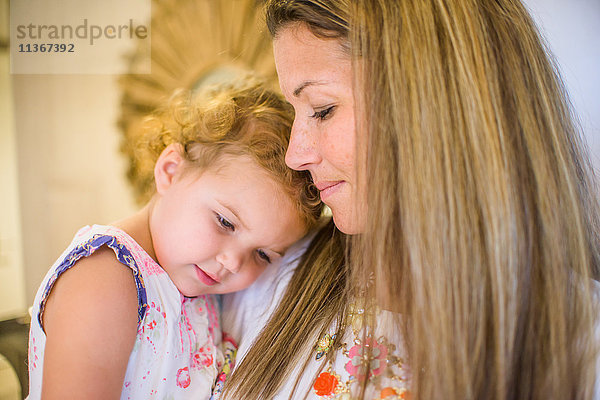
183 377
203 357
356 366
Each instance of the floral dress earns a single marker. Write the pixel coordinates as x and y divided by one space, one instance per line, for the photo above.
178 349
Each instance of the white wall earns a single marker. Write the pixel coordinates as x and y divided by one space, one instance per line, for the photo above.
60 168
572 29
70 170
12 283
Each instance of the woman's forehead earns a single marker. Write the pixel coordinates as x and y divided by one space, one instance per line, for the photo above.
303 60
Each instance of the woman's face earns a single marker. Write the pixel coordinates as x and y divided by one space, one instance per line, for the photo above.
315 76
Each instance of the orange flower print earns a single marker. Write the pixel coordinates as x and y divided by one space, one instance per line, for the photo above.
391 393
326 384
183 377
386 392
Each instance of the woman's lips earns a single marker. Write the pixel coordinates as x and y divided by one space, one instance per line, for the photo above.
205 278
328 188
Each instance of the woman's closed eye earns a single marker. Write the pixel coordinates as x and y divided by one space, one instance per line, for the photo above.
225 224
323 114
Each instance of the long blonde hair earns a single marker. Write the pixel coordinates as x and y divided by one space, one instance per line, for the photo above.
483 223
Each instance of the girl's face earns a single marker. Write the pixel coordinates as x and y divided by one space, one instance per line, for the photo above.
217 232
315 76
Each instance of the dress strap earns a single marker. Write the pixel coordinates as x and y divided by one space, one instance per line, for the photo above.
86 249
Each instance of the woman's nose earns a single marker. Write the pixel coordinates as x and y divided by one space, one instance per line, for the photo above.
231 261
303 149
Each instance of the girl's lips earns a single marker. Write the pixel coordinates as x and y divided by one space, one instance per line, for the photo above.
205 278
327 189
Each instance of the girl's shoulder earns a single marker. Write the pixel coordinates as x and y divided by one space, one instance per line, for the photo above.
85 316
118 250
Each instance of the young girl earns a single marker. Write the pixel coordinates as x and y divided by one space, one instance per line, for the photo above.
126 310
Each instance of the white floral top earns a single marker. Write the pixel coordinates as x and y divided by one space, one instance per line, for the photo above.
388 377
245 313
177 353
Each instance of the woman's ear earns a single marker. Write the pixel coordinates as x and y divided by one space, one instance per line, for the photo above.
168 166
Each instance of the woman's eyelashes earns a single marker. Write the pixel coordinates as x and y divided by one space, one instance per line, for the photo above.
225 223
323 114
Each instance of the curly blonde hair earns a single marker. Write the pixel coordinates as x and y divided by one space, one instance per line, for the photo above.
240 118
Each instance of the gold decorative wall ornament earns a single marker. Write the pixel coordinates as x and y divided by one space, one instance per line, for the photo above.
193 43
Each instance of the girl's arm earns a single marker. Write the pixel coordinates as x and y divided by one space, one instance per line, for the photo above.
90 322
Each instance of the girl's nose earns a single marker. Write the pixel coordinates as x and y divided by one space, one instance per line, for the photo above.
231 261
303 149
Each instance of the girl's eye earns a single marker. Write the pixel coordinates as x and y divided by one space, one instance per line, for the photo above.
323 114
225 223
264 256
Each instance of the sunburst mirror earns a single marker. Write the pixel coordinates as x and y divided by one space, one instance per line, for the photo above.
194 42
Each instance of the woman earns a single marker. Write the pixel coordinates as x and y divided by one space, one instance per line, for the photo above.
439 134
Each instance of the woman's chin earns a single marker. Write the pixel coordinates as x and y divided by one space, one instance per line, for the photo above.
348 223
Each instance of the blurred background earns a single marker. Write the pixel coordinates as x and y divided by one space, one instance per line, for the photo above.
64 139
